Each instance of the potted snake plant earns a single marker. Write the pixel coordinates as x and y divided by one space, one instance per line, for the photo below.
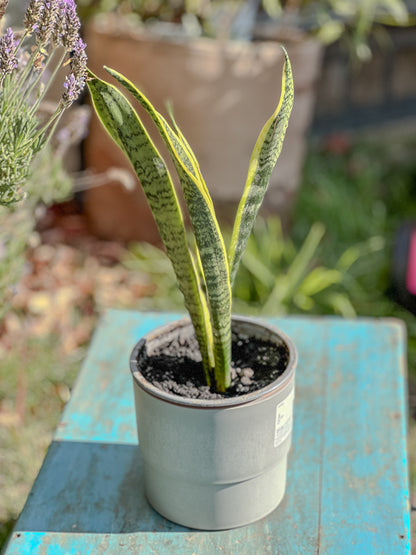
214 392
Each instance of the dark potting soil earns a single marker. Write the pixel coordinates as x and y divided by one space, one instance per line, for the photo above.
176 367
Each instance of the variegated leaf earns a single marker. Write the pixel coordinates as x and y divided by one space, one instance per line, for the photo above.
263 160
124 126
211 248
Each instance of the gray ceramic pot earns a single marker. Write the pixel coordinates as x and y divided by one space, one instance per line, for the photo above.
215 464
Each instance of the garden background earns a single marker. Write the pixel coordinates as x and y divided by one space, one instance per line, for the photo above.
338 252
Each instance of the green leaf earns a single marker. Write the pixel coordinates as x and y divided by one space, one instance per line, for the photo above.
330 31
210 244
126 129
319 279
342 305
257 267
263 159
287 285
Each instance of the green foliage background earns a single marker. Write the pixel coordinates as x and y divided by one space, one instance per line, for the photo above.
362 195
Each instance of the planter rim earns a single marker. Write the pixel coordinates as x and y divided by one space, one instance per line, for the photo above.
280 383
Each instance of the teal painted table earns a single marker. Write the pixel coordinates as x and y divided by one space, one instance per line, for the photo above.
347 481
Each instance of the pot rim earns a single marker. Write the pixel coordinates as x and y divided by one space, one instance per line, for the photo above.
277 385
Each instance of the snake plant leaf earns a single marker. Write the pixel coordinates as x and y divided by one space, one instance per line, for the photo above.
126 129
263 159
210 244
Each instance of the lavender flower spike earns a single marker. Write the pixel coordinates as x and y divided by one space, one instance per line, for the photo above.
73 87
79 59
33 15
8 60
42 15
66 32
3 6
75 81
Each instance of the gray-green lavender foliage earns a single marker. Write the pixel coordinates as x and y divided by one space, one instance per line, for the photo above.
29 63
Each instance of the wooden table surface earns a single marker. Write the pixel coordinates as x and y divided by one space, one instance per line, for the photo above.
347 486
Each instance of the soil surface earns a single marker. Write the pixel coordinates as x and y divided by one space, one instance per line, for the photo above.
176 367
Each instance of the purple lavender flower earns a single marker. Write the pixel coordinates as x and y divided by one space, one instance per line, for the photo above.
46 22
75 81
73 86
8 60
79 59
66 32
33 15
53 19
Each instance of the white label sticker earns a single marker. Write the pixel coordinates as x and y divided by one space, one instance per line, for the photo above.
284 418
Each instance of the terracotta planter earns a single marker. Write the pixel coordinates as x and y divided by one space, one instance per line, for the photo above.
215 464
222 94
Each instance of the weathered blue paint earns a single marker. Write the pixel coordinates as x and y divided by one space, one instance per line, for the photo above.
347 479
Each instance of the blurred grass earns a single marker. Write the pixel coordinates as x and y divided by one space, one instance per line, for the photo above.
34 387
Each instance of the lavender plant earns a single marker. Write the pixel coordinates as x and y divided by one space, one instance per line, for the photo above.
30 61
